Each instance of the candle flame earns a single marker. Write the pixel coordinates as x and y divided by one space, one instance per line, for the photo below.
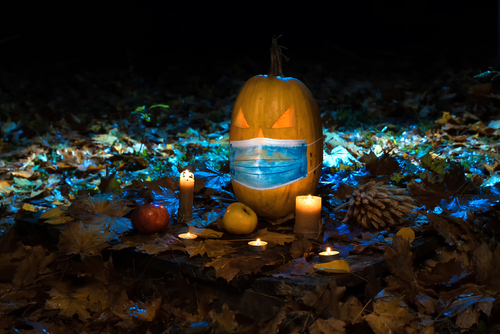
328 250
258 242
309 197
189 235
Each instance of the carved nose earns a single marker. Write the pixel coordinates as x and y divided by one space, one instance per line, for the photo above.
259 133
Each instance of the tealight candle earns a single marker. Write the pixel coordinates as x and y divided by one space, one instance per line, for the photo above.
328 256
308 215
186 196
257 245
188 238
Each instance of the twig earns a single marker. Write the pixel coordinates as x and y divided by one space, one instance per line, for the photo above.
437 317
353 320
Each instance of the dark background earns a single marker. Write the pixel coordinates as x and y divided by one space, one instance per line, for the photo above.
159 32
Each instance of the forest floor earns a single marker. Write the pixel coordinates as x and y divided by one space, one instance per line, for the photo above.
84 143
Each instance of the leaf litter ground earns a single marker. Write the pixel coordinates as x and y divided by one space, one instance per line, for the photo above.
79 154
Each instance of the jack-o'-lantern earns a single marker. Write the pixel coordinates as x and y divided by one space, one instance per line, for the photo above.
276 142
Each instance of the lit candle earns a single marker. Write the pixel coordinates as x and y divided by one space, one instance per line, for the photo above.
308 216
188 238
258 246
186 196
328 256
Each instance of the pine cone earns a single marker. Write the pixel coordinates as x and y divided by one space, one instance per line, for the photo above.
377 205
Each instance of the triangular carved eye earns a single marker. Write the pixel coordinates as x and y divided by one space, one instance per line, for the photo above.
287 120
240 120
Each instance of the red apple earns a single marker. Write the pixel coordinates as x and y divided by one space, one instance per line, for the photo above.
150 218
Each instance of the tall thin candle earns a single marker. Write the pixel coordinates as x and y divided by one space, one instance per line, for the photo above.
186 196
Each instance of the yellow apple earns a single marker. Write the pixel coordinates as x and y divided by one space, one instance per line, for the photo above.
239 219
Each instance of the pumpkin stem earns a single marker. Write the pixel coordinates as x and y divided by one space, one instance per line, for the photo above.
276 59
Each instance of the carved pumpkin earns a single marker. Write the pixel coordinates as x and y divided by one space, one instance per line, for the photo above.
276 142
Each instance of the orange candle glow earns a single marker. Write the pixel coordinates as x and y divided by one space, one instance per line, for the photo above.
186 196
308 215
328 256
188 238
257 246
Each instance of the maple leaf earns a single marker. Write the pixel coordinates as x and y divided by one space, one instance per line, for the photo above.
105 204
68 305
212 248
325 299
331 326
159 245
301 247
273 238
13 298
145 311
486 261
399 259
389 317
167 198
225 320
83 239
35 263
206 232
100 270
228 268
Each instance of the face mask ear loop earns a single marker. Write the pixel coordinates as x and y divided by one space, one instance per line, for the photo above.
314 142
321 163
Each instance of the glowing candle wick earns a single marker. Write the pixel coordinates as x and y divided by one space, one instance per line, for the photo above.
258 241
189 235
328 250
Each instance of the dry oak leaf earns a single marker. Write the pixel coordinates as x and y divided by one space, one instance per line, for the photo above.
83 239
212 248
228 268
389 317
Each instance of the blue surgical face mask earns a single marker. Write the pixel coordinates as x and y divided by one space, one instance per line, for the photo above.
265 163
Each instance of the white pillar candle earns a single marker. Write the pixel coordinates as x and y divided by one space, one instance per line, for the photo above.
186 196
308 216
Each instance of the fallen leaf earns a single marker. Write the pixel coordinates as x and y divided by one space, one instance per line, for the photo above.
104 204
273 237
297 267
212 248
61 299
145 311
83 239
406 233
335 267
330 326
225 320
325 299
389 317
51 213
205 232
29 207
228 268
